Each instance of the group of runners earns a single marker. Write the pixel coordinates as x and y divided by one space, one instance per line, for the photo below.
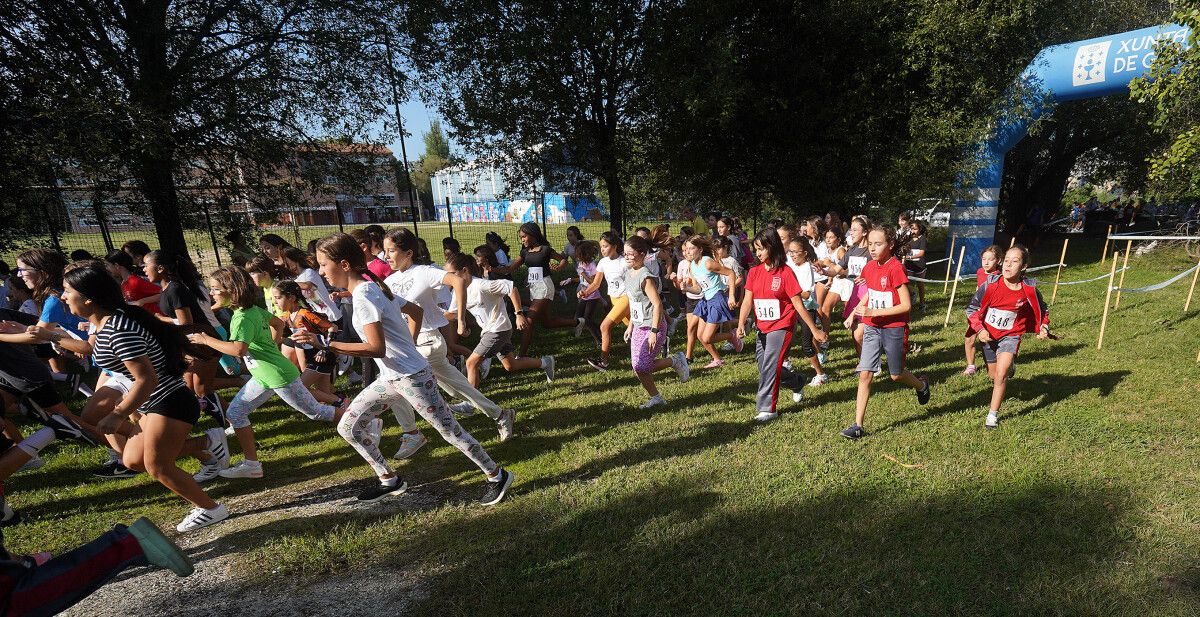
425 337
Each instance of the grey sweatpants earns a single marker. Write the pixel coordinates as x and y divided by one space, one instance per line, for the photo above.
771 351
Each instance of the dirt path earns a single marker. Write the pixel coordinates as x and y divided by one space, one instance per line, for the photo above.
211 590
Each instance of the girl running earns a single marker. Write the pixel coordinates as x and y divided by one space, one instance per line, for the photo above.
485 301
254 336
884 311
148 352
263 272
691 300
419 285
914 261
586 253
773 293
800 255
302 266
370 253
704 277
137 290
611 269
848 285
273 246
499 246
1005 307
317 374
648 323
180 304
404 375
536 255
989 265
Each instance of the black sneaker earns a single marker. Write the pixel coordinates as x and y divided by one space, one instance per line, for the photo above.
381 490
114 470
65 428
496 489
923 394
211 405
598 363
854 432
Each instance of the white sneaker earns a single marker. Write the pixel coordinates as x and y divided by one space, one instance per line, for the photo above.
579 326
375 430
548 367
230 432
726 346
218 446
505 423
344 364
992 421
879 373
244 469
787 364
680 364
819 380
409 444
654 401
674 324
765 416
485 368
463 410
36 462
199 517
797 396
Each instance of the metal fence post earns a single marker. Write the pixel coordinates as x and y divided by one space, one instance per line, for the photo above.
543 211
449 217
212 235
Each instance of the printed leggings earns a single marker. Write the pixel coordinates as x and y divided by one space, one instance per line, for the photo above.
254 394
419 391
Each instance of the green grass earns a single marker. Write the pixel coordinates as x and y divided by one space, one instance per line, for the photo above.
1083 502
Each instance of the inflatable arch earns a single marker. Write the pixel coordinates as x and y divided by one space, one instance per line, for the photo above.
1082 70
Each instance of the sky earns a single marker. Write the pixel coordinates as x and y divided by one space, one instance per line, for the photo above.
416 121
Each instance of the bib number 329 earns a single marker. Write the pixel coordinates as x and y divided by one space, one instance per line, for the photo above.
766 310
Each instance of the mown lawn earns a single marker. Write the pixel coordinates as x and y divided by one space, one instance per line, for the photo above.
1084 501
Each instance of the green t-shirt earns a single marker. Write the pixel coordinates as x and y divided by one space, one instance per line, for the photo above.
252 326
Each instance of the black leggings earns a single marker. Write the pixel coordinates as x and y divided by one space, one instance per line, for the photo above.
584 310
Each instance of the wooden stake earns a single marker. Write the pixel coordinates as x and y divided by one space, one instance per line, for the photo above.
1013 242
1062 259
1188 304
957 273
1104 252
1124 267
1108 296
946 285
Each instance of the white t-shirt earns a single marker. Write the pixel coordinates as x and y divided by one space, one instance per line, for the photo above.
804 275
485 300
206 308
653 265
614 274
732 264
322 302
401 357
420 285
682 273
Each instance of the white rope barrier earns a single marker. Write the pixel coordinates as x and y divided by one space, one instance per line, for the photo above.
1156 286
1139 238
971 276
1102 276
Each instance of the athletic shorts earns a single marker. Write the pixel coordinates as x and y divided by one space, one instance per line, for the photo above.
543 291
878 341
181 405
1008 344
494 344
620 310
118 382
310 358
690 304
44 395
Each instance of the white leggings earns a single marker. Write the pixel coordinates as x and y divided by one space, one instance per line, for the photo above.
253 394
432 346
419 391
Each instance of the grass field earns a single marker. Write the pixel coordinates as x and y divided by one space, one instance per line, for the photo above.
1083 502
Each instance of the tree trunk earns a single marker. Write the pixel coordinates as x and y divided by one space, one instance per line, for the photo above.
156 173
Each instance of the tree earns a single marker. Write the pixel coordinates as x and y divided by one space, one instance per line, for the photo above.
544 87
435 141
186 96
1172 91
435 159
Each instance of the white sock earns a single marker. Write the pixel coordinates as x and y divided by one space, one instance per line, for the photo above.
33 444
392 481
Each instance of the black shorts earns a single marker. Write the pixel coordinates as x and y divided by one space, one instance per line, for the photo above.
44 396
310 363
690 305
181 405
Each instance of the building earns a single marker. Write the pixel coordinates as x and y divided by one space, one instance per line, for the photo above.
479 193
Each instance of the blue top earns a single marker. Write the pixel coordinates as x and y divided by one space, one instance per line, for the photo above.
54 311
710 282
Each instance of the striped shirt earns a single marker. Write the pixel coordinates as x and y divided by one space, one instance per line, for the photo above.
123 339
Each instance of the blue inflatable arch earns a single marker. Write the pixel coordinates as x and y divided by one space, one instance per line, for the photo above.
1074 71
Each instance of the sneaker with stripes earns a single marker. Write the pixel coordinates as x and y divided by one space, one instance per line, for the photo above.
202 517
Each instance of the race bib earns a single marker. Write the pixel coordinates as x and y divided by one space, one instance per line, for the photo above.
706 283
1000 319
639 311
250 361
766 310
855 265
535 277
616 287
879 299
725 279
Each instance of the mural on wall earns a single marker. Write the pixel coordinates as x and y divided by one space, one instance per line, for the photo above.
560 209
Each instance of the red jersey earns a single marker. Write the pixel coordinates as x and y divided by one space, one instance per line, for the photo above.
773 291
981 276
883 284
135 288
1005 311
